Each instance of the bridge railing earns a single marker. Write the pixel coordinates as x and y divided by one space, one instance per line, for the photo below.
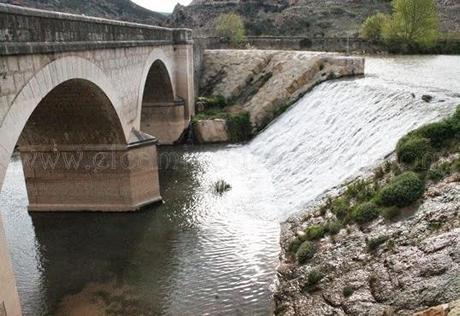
30 31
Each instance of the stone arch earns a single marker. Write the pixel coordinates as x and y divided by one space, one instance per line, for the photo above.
161 111
168 61
41 84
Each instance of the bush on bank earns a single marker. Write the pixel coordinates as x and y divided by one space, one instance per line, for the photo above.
402 191
365 212
305 252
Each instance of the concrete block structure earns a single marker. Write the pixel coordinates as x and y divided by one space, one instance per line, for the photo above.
86 101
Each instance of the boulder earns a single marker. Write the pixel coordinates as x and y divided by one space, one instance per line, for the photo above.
211 131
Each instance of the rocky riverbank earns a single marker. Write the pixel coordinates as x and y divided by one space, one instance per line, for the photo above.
386 245
263 83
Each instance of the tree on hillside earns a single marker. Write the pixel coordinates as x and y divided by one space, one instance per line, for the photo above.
414 23
373 26
231 27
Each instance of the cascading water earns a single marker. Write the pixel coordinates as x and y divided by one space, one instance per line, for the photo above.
204 253
344 126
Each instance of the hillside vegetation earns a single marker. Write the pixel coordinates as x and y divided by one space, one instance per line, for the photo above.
312 18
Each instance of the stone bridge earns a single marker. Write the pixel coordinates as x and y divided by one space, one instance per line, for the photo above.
85 101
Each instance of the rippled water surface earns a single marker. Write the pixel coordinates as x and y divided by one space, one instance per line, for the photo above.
204 253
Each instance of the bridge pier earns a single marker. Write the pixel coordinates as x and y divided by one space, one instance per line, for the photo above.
92 177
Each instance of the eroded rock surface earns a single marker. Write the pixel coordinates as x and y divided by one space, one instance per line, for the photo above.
417 267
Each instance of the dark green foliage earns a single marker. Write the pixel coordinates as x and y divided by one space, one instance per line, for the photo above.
387 166
313 278
348 291
374 243
315 232
340 207
239 127
456 166
402 191
390 212
437 173
438 133
413 148
295 245
454 122
305 252
365 212
333 227
213 102
379 173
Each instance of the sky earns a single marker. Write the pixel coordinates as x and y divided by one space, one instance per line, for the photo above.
161 5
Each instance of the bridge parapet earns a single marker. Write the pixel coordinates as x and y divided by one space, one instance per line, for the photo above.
32 31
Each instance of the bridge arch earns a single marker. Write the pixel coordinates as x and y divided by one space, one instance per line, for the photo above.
161 110
37 88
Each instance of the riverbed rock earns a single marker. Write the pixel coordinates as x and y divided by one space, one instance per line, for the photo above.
211 131
265 83
417 268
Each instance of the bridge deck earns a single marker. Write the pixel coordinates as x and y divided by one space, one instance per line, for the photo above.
32 31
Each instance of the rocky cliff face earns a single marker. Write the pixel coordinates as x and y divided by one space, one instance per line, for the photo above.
313 18
111 9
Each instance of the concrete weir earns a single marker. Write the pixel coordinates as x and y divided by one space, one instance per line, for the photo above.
86 101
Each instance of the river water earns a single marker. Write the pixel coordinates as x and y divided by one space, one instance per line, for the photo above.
201 253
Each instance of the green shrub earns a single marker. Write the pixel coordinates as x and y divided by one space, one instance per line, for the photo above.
305 252
333 227
365 212
379 173
372 27
295 245
209 115
414 25
454 122
374 243
437 173
402 191
239 127
214 102
387 166
391 212
340 207
412 148
315 232
231 26
361 190
313 278
456 166
348 291
438 133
